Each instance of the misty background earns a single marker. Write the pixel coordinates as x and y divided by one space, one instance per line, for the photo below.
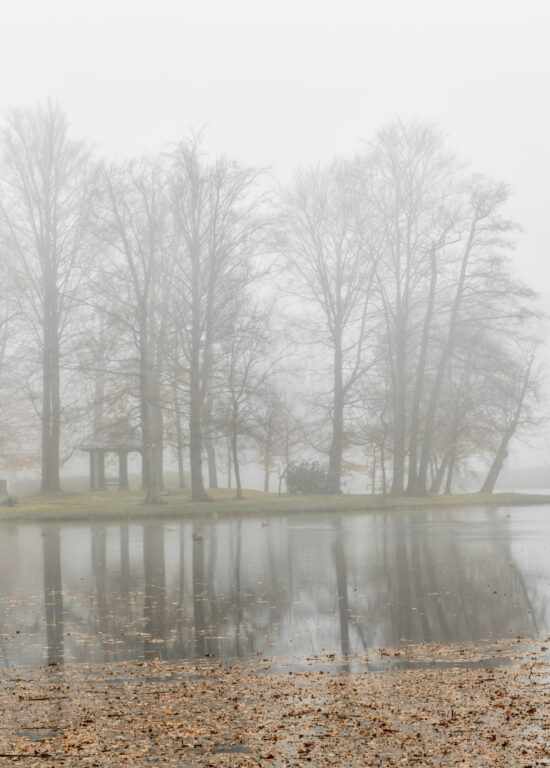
279 85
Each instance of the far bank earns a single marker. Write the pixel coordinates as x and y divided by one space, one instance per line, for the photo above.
128 505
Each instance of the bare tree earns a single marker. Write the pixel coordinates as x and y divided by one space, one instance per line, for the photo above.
410 181
249 364
443 278
485 233
16 430
514 391
270 428
332 264
132 220
215 212
46 189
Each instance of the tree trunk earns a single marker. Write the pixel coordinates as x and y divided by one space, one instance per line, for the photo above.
419 382
144 468
398 478
268 446
56 416
229 463
383 469
179 438
496 467
195 391
337 444
92 470
208 442
212 467
502 453
236 468
46 416
449 483
181 472
153 487
439 475
51 407
442 367
195 438
149 417
159 443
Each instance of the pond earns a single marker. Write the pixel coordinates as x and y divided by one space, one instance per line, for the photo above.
288 587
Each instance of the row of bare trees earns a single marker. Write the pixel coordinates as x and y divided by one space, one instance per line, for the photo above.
369 311
402 258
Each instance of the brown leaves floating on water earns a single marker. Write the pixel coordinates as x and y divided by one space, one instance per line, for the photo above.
213 715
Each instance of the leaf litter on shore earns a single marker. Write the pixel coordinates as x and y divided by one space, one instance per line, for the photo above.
214 714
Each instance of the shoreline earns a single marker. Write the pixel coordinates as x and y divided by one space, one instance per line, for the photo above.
211 714
128 505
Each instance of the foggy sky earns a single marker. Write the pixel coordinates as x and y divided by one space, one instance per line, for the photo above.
277 83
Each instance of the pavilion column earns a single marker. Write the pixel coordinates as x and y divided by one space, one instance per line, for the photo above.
92 470
122 470
100 469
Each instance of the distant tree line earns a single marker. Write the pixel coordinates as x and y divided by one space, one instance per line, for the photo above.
367 315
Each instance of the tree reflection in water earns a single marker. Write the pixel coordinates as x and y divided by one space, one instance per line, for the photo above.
53 593
155 589
299 585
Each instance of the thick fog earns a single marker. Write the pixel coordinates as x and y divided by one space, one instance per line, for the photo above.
240 236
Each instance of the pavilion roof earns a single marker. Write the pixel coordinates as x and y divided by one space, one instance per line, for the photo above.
114 445
114 437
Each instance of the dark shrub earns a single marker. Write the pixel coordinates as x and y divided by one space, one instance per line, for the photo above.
306 477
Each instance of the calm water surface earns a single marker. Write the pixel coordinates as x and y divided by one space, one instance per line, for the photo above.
298 585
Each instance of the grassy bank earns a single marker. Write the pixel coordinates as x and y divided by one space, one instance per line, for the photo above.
129 504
